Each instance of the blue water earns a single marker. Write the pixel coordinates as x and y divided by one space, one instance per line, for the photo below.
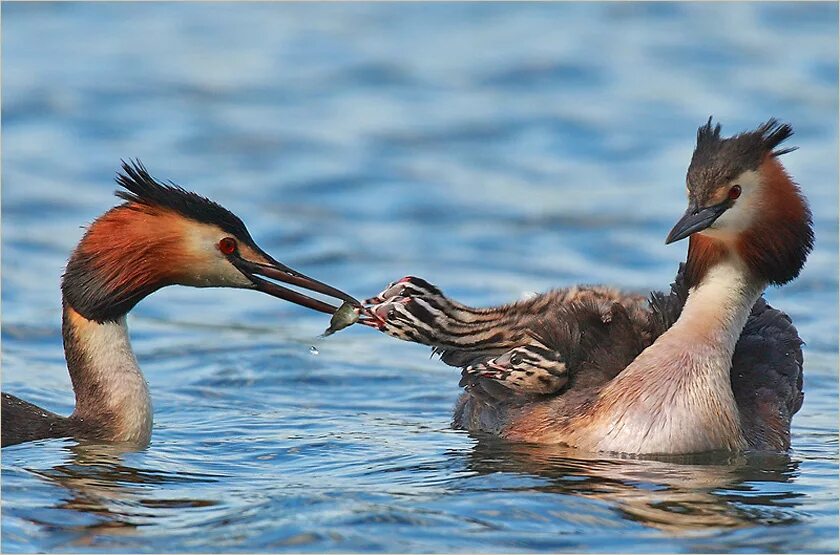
493 149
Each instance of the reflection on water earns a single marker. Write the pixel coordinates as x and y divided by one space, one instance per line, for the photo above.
99 484
677 495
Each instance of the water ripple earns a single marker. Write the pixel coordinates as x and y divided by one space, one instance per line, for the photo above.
496 149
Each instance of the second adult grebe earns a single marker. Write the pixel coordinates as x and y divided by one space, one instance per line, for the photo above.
709 367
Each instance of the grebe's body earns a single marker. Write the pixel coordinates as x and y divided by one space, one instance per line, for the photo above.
709 367
162 235
764 387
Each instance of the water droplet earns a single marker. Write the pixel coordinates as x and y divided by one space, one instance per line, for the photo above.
314 351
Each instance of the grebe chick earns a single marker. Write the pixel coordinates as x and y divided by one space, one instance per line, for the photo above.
584 341
411 309
161 235
529 369
719 369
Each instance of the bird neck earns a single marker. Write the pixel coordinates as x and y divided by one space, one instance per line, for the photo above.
718 306
676 396
112 398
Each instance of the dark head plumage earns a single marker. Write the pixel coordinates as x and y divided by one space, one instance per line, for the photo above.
773 236
143 189
718 161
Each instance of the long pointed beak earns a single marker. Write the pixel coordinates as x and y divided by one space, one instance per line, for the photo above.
280 272
696 219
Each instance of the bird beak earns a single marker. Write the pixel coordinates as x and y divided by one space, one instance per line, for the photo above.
696 219
280 272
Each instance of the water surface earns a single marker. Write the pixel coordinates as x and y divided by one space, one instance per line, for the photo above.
495 150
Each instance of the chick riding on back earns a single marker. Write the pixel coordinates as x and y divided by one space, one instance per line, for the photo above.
711 366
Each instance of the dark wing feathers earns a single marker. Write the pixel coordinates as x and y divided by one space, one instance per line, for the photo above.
665 309
596 344
23 421
767 377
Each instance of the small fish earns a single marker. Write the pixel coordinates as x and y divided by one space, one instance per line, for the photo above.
346 315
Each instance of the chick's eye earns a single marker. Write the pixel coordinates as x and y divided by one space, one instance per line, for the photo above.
515 359
734 192
227 245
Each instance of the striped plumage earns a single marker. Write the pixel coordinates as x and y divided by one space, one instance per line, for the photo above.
532 368
414 310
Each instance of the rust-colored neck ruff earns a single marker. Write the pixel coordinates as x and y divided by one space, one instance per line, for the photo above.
776 245
703 254
129 252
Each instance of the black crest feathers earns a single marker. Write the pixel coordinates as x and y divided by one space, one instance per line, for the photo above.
749 146
773 134
707 133
717 160
142 188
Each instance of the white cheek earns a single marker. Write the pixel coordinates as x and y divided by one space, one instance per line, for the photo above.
209 267
744 212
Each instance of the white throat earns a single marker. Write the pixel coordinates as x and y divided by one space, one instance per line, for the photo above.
718 307
110 389
676 396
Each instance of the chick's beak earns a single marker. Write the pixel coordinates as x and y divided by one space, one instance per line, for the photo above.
280 272
695 219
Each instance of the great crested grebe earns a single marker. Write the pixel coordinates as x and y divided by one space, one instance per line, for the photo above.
161 235
710 366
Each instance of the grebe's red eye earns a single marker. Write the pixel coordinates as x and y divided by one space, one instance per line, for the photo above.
227 245
734 192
